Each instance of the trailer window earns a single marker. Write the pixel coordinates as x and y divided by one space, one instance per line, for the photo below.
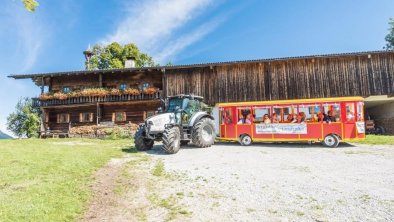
245 115
350 112
259 113
286 114
360 111
333 110
311 112
227 116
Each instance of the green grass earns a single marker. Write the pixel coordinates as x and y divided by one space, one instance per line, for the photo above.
48 180
378 140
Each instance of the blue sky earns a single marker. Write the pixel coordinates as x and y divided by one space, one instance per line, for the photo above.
180 31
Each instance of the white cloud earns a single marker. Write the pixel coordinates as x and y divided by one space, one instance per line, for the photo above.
176 46
151 25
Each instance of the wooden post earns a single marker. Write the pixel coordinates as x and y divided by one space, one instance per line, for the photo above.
43 118
100 80
97 114
50 84
42 85
164 83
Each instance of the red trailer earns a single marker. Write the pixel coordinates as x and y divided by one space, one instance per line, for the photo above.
326 120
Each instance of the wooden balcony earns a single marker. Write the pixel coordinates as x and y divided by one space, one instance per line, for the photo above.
94 99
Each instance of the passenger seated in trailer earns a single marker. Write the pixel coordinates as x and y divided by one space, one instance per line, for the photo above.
246 120
350 116
301 117
266 119
321 117
331 116
290 118
275 118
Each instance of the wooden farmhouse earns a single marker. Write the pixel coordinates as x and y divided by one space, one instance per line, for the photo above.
120 96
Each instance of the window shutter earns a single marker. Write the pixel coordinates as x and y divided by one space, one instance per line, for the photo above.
124 116
91 117
113 117
57 118
68 117
80 117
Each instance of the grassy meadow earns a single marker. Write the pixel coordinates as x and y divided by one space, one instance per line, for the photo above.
378 140
48 180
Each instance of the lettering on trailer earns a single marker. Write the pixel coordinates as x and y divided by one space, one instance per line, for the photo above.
287 128
360 127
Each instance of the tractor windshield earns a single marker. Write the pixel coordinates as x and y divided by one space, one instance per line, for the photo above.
177 103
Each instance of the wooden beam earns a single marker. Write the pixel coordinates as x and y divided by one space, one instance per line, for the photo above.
100 80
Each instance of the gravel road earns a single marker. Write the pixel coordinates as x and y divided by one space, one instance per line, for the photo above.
282 182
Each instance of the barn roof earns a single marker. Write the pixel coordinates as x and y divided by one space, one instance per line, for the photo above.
197 65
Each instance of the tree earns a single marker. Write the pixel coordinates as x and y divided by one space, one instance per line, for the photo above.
114 56
390 37
30 5
25 121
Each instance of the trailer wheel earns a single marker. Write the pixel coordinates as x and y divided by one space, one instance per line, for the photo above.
245 140
331 140
171 140
203 133
141 143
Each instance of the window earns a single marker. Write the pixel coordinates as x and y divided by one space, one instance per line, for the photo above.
360 111
123 86
333 111
350 112
63 118
286 114
244 115
85 117
118 116
259 113
227 116
66 89
310 112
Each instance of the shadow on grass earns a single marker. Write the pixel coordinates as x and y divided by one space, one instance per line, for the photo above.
130 149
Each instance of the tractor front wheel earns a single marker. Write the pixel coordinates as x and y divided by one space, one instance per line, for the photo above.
203 134
141 143
171 140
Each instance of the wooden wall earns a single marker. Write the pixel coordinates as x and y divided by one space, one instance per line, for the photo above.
351 75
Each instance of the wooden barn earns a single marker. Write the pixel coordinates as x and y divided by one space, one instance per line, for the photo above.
367 74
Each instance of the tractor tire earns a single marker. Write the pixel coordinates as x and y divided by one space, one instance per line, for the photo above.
203 133
171 140
141 143
331 140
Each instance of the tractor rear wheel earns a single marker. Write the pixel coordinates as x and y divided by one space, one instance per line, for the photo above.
171 140
203 133
141 143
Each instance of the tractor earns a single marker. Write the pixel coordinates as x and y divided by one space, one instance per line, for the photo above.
183 119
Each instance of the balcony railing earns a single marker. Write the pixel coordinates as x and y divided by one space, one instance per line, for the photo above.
94 99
